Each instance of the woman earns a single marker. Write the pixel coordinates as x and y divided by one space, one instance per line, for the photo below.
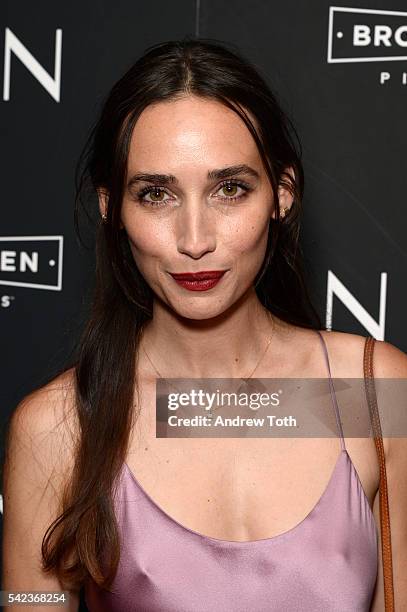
195 169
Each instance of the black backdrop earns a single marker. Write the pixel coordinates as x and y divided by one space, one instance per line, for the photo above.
341 75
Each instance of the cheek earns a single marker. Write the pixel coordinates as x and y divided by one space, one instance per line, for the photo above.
248 236
241 237
149 245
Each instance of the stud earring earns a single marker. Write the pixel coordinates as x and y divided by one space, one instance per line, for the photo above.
284 212
104 217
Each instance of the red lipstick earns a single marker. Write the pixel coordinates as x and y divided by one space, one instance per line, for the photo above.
198 281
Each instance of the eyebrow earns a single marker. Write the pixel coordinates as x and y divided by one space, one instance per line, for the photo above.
218 173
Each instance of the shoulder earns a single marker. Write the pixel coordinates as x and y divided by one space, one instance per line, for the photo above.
40 449
47 407
43 427
389 361
346 353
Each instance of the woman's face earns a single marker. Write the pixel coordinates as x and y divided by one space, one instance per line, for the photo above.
206 217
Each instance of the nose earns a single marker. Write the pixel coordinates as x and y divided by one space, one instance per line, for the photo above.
196 229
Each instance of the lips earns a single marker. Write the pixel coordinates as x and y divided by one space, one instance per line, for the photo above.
199 276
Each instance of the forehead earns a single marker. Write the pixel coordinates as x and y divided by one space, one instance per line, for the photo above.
190 130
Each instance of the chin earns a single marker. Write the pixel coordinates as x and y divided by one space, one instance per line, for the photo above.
199 314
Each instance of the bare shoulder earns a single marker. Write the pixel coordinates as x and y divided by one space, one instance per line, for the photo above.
40 450
346 353
43 427
389 361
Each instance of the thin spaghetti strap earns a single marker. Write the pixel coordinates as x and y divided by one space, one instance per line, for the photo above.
332 389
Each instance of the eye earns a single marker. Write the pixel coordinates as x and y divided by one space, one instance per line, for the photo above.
230 189
156 199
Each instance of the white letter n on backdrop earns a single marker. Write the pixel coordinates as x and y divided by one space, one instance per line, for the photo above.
335 287
13 44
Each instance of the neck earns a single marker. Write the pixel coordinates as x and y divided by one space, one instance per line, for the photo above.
222 346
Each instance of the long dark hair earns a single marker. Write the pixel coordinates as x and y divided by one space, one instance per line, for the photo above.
105 380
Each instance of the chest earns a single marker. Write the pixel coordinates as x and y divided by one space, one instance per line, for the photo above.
243 489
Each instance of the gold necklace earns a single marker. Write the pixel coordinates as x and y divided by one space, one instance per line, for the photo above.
210 413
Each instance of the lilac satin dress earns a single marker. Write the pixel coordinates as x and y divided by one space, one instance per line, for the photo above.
326 563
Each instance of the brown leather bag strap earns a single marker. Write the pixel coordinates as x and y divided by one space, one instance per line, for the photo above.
383 495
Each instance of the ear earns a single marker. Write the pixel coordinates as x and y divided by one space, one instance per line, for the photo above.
103 198
284 195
